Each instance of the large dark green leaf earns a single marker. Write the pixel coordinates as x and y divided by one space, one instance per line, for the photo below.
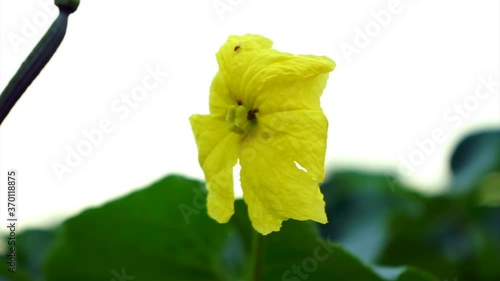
145 235
159 233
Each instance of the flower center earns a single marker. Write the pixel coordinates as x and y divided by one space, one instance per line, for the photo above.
240 118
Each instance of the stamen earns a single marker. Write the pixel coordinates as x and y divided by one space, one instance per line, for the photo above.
239 118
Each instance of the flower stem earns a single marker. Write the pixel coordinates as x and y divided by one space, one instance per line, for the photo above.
258 252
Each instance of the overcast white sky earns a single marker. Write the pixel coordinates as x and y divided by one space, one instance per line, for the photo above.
406 71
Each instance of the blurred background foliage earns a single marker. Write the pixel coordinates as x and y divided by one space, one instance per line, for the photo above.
379 229
454 234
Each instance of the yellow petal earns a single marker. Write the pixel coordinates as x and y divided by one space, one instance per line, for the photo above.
220 99
274 188
234 58
298 136
239 51
217 155
250 71
290 83
279 95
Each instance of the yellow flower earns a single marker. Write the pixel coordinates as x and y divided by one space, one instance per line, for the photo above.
265 112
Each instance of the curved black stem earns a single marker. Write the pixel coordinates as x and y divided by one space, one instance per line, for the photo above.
34 63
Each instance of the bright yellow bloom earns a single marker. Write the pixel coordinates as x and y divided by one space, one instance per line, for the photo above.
265 111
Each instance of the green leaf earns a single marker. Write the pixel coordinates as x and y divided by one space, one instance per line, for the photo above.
159 233
163 233
32 247
297 252
6 275
489 191
473 158
359 206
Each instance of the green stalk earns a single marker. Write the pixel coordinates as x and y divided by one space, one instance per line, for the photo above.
258 255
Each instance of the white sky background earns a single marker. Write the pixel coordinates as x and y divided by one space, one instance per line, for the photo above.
400 86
